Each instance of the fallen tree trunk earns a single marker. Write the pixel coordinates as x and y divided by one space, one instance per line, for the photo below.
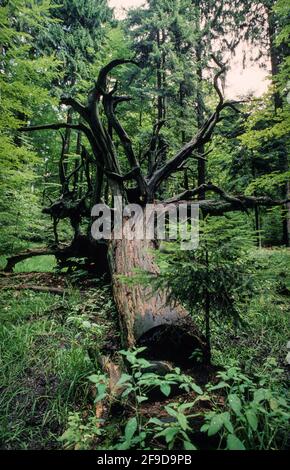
150 318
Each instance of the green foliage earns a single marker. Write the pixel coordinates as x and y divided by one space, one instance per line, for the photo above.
141 383
136 387
257 413
265 318
80 435
176 431
76 35
43 369
42 264
25 81
247 412
216 277
49 347
282 11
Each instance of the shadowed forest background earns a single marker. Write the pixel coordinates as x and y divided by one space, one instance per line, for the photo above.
118 345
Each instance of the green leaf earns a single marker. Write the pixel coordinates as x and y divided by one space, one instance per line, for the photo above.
252 419
156 421
204 428
196 389
171 411
219 385
215 425
188 445
127 392
235 403
273 404
94 378
165 389
186 406
131 428
124 446
182 421
102 392
227 422
259 395
124 378
170 434
234 443
142 398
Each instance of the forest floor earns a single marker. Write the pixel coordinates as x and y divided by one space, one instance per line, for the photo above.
50 344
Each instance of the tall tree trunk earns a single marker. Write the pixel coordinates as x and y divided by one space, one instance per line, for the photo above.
182 134
207 317
200 112
63 166
256 211
278 103
77 161
160 76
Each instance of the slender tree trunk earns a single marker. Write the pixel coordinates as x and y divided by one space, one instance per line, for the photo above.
274 57
200 114
77 161
256 212
207 319
98 185
80 185
258 227
182 134
63 166
278 103
160 77
163 38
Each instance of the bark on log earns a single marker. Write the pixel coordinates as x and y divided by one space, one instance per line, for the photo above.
150 318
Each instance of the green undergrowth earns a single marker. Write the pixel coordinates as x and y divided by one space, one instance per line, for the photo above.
49 345
50 349
41 264
236 412
246 405
265 331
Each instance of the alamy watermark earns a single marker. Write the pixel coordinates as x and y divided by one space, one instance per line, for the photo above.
162 222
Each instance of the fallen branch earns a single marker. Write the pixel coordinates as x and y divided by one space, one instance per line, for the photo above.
13 260
51 290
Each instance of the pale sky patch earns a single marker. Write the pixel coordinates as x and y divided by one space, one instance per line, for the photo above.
121 5
242 81
239 82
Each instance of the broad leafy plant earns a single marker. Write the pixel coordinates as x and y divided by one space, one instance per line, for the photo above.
255 413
